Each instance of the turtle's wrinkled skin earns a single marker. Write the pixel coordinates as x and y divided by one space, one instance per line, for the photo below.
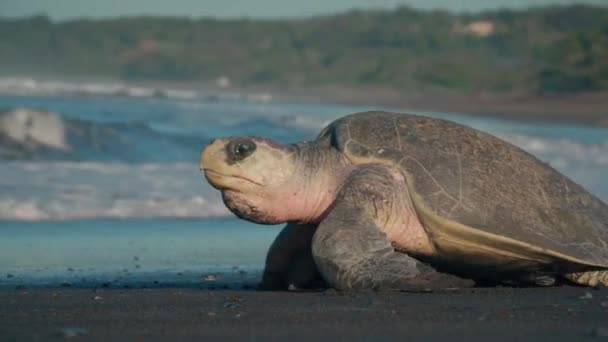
396 201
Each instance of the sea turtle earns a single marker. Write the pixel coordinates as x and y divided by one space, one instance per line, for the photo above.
398 201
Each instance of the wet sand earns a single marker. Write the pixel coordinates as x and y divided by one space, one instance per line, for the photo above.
497 314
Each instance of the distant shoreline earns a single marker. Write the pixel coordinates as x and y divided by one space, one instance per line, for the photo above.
587 109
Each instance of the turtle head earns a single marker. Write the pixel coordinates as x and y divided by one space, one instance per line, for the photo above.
251 173
266 182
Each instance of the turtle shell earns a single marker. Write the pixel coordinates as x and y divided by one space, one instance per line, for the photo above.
482 200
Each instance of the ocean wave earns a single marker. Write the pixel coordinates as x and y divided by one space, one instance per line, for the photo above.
116 158
562 153
60 190
29 134
77 190
30 86
35 128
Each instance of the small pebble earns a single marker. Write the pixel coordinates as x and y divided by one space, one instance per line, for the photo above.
211 314
587 295
233 298
97 298
231 305
210 277
604 304
9 276
600 332
73 332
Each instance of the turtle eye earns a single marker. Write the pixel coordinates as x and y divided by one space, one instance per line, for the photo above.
243 149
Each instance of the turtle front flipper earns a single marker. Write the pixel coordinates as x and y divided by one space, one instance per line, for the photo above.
351 250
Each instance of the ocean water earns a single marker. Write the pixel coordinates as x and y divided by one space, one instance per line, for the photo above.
107 188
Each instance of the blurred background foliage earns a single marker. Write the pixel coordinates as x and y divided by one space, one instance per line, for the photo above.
543 50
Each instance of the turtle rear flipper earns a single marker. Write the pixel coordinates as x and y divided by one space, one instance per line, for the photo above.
589 278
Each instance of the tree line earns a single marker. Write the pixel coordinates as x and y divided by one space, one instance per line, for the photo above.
542 50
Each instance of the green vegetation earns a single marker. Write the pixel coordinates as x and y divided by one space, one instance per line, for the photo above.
553 49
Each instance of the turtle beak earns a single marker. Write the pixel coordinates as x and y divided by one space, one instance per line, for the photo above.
213 155
212 162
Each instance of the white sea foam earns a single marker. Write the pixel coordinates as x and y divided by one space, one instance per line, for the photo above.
31 86
57 190
72 190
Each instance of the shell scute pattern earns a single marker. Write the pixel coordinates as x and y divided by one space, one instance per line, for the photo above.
480 181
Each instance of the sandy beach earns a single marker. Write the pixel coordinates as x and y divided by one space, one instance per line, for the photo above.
498 314
189 313
582 109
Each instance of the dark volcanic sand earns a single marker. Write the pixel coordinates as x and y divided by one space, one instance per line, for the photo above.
547 314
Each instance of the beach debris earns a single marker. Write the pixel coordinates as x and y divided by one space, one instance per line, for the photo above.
210 277
600 332
73 332
232 301
234 298
587 295
232 305
97 298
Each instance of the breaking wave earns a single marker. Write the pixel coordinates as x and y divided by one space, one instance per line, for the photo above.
30 86
29 134
77 190
116 158
60 190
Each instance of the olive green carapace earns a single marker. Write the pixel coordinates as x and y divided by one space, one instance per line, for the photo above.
480 197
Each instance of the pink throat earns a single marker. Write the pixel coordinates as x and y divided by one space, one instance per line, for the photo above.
305 203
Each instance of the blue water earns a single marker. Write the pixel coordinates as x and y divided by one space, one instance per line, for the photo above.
209 253
124 202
